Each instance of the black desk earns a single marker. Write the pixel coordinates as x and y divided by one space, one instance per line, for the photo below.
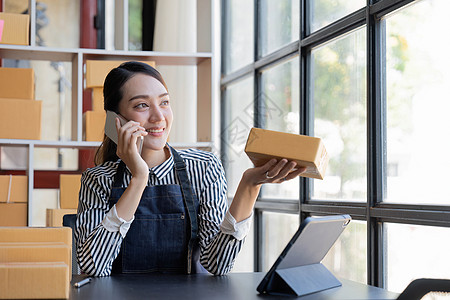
233 286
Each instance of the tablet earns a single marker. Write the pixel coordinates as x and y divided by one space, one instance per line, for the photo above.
298 270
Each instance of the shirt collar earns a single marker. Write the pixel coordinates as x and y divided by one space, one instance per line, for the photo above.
163 169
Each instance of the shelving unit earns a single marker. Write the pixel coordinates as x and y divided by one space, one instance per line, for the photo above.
207 85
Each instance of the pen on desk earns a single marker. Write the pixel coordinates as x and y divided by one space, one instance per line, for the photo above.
82 282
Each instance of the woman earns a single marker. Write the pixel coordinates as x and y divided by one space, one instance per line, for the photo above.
163 210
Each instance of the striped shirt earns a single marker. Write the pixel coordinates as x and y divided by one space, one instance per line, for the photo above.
98 247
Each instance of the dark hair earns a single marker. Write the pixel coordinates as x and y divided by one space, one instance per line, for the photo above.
112 94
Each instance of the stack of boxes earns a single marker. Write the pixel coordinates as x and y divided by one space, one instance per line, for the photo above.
69 187
13 200
20 114
35 263
94 121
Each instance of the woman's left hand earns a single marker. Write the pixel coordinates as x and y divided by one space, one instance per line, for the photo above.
274 172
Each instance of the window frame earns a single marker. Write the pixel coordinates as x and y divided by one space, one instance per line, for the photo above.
374 211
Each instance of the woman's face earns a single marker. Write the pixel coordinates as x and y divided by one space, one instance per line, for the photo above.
146 100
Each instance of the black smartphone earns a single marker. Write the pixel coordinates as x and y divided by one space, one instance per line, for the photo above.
111 131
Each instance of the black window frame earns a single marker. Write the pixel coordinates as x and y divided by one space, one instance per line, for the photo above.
374 211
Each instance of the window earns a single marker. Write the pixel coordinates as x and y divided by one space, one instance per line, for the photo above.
369 78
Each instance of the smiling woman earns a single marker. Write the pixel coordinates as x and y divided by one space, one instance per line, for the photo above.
164 210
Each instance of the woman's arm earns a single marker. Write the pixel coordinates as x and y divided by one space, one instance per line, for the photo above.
219 249
252 180
97 247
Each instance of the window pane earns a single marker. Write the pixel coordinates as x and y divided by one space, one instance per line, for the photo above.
280 112
415 252
135 25
325 12
348 257
417 104
239 39
278 230
237 122
279 24
339 97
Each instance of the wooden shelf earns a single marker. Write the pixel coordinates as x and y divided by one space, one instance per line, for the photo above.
83 144
63 54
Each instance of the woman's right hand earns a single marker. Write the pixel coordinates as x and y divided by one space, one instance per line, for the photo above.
127 149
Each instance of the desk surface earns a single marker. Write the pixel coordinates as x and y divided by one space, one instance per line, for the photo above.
233 286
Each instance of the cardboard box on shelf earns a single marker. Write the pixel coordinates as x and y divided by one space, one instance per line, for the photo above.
34 280
96 70
69 187
97 99
20 119
13 188
36 234
55 216
94 125
17 83
13 214
16 29
263 145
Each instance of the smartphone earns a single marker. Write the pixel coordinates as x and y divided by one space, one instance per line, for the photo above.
111 130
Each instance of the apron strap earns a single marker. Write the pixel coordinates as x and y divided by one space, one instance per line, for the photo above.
189 201
118 178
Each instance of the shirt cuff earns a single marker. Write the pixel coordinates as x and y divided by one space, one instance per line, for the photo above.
238 230
113 223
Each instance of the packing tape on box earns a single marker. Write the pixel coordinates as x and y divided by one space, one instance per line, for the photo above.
9 188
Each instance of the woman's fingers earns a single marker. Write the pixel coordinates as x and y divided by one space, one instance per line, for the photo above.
274 171
283 171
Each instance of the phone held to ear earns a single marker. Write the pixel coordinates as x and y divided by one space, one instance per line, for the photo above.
111 131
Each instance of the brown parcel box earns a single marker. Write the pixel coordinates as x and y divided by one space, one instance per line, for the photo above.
263 145
15 29
69 187
13 214
36 234
17 83
35 252
94 125
34 280
96 70
55 216
13 188
44 235
20 119
97 99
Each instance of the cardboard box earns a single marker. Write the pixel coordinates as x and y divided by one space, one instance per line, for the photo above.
13 188
94 125
55 216
263 145
96 70
36 234
17 83
16 28
69 188
20 119
35 252
97 99
13 214
34 280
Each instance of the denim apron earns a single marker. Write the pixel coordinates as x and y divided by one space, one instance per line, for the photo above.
163 235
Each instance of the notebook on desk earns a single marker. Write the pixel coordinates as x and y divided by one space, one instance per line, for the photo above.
298 270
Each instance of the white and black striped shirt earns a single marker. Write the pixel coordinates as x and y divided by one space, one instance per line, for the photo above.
98 247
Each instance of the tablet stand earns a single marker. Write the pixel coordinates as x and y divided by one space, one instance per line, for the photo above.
302 280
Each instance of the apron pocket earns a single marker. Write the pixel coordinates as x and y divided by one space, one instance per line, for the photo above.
155 243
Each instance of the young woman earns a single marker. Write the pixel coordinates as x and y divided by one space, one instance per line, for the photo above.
163 210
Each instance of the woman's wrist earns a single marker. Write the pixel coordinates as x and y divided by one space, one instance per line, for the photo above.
139 181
